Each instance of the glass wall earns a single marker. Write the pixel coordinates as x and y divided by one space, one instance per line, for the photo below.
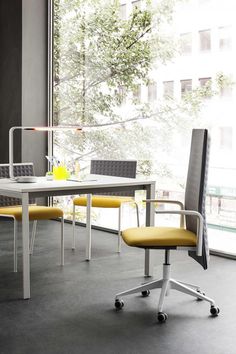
138 76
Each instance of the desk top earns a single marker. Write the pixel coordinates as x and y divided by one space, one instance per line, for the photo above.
91 181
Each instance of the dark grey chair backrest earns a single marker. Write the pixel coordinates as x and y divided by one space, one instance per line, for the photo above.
20 169
195 192
118 168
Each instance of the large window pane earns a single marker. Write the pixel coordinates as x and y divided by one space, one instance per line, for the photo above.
114 66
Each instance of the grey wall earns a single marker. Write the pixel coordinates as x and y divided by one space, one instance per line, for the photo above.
23 78
10 74
34 81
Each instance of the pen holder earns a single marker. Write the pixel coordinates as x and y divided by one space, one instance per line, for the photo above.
49 176
60 173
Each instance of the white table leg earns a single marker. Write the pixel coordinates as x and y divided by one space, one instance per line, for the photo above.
150 215
25 245
88 227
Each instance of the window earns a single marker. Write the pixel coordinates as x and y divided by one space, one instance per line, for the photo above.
123 11
225 38
205 40
137 94
205 83
136 3
226 137
205 80
122 92
186 43
152 92
98 83
186 86
168 89
226 91
204 2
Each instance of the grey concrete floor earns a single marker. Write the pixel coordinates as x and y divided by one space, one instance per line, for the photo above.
72 308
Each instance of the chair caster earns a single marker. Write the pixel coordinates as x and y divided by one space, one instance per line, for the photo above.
162 317
214 310
119 304
200 292
145 293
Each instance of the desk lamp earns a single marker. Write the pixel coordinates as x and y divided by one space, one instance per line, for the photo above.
30 179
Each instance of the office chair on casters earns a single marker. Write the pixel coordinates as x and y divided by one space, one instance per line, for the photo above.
11 208
118 168
192 237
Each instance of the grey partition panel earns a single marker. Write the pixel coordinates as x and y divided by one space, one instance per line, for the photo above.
195 193
118 168
197 176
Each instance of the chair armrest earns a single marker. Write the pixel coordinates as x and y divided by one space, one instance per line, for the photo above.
168 201
136 206
165 201
199 224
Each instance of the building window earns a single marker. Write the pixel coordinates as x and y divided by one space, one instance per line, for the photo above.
123 12
186 86
204 2
203 81
186 43
226 137
122 93
225 38
136 3
152 92
168 89
205 40
137 94
226 91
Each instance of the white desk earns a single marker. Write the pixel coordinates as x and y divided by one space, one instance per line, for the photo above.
92 185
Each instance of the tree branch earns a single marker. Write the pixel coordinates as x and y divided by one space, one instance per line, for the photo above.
58 81
138 38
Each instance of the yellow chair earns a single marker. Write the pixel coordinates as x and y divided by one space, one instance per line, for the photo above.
192 237
11 208
118 168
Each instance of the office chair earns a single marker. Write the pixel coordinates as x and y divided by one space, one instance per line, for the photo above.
11 208
192 237
118 168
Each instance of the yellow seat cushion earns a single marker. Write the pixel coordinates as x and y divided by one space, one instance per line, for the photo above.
102 201
35 212
158 236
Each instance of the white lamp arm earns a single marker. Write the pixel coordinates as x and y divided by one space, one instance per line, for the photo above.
11 147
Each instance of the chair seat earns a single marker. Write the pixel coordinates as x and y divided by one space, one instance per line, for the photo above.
35 212
102 201
158 237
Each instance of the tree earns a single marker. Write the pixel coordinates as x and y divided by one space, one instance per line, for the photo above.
100 62
100 59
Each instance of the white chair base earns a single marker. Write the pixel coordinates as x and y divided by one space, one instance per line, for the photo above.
166 284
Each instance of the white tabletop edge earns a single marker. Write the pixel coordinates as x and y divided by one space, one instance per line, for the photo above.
96 181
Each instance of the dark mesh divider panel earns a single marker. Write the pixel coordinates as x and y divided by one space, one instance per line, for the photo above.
195 192
19 170
118 168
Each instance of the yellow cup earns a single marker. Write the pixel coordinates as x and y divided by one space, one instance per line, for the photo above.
60 172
